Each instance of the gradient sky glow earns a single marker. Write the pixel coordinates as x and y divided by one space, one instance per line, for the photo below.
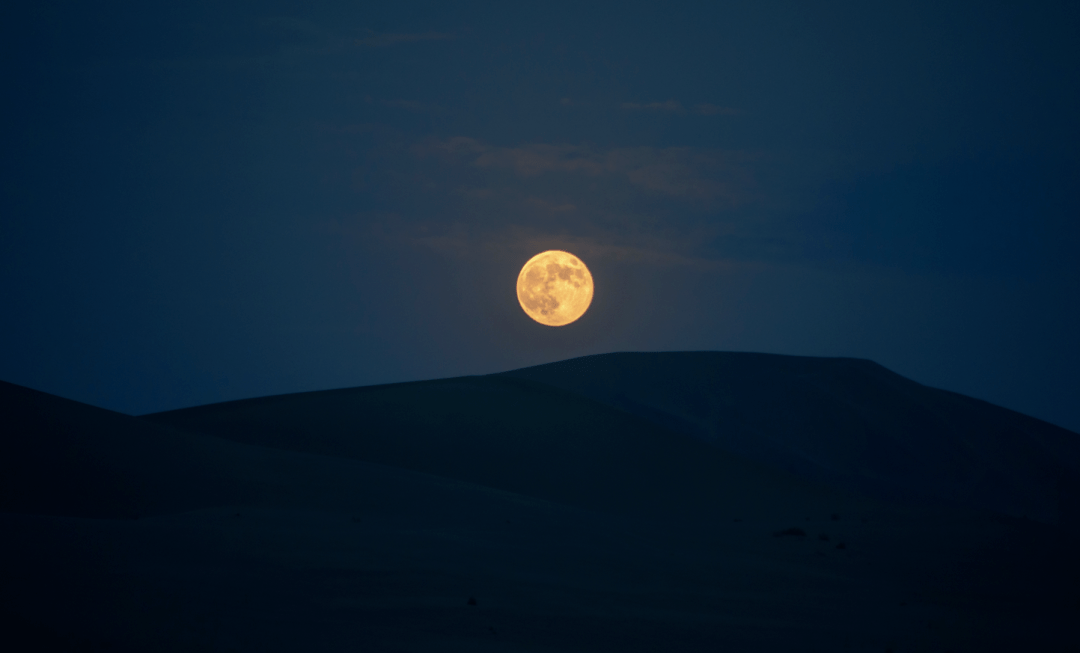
203 201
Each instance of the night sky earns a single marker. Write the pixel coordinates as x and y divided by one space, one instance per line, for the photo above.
204 201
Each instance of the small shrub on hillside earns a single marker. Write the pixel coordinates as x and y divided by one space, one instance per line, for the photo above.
795 531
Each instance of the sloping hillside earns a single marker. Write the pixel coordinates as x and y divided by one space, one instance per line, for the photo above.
63 458
846 422
518 436
481 514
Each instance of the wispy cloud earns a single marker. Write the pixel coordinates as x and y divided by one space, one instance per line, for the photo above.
676 107
374 40
679 172
408 105
571 102
677 203
706 109
671 106
544 205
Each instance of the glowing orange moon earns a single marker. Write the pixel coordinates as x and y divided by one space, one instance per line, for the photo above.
555 288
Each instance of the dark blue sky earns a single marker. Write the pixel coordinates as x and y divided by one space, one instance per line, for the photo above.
205 201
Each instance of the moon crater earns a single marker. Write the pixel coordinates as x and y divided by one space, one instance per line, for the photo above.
555 288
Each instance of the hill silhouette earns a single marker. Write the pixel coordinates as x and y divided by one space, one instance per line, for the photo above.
846 422
515 435
627 502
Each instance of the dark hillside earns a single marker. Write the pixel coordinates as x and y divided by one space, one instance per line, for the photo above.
63 458
485 514
514 435
846 422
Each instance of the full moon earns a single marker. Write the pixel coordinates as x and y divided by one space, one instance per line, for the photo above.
554 288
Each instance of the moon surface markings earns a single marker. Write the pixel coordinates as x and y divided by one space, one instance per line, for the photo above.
555 288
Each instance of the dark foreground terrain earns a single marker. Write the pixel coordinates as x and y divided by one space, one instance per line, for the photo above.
625 502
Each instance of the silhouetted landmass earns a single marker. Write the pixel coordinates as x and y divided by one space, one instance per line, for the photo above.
515 435
846 422
628 502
